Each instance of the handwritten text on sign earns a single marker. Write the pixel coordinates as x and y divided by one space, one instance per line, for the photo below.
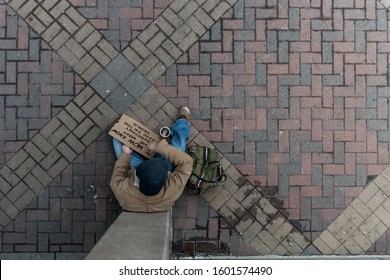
134 135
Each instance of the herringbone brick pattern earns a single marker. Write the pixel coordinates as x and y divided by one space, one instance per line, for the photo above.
71 214
34 83
120 21
294 93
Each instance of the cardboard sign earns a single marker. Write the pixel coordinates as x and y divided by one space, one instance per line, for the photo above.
134 135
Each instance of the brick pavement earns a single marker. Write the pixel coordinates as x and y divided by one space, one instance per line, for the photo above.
295 96
211 72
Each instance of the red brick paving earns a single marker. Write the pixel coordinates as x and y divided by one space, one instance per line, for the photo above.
296 100
294 93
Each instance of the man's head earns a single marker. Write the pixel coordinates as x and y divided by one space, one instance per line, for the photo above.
152 175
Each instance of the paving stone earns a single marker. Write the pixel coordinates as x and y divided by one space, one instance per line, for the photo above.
17 159
172 18
378 230
76 17
252 231
42 144
16 4
75 48
108 49
50 159
120 68
74 143
274 225
353 247
353 216
83 96
66 119
66 151
57 167
283 231
156 41
152 100
51 32
188 41
5 187
41 175
35 24
25 199
149 63
268 239
136 84
58 135
9 175
33 183
109 114
260 246
221 9
382 213
25 167
172 49
120 100
84 32
16 192
212 193
100 56
104 84
149 32
383 183
91 135
92 40
4 219
243 192
132 56
59 9
163 25
140 49
378 198
8 208
27 8
291 247
345 232
83 128
322 246
244 223
236 207
330 240
91 72
43 16
368 224
299 239
139 113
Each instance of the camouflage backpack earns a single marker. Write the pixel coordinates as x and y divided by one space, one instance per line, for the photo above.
207 170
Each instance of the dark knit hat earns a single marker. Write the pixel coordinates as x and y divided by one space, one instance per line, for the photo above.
152 175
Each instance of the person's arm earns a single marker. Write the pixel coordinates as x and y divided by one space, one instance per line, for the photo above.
181 160
121 168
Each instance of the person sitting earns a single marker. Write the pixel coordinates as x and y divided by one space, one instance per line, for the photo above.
153 185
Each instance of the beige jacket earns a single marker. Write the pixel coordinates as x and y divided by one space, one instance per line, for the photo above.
129 196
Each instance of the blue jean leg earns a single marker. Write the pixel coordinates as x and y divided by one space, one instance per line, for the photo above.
180 133
136 158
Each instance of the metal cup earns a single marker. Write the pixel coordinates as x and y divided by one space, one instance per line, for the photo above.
165 132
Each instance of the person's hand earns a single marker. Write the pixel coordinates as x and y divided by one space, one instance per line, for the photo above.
126 149
152 146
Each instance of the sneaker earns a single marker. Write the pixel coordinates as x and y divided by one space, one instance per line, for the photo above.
184 113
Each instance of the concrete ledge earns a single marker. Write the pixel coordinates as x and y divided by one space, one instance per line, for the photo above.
135 236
